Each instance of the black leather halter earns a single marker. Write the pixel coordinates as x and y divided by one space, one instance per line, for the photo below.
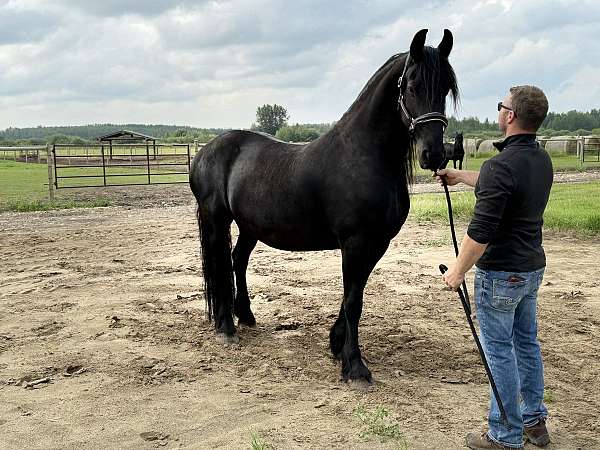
428 117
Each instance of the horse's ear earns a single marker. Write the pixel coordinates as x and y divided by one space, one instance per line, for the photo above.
416 47
445 46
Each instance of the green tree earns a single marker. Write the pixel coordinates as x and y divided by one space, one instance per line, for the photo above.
270 118
297 133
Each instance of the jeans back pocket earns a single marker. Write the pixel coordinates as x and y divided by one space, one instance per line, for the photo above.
506 294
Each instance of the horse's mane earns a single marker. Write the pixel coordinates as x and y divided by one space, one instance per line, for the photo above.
372 84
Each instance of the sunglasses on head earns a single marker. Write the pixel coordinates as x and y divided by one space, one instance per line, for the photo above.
500 106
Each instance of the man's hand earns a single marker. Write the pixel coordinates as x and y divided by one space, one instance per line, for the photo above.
452 176
453 278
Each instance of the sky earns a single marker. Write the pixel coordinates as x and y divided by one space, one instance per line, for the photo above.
210 64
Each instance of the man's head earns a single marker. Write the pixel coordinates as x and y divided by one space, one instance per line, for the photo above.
522 111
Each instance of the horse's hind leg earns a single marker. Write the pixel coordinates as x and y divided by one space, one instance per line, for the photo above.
241 254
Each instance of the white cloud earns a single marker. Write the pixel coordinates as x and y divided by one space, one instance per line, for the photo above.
211 63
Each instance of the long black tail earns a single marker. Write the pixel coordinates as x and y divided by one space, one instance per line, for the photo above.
217 267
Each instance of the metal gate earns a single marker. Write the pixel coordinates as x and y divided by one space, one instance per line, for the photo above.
590 149
79 166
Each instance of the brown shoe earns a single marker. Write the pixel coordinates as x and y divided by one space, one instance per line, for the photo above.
481 441
537 434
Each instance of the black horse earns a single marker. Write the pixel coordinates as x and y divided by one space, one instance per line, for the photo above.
347 190
455 152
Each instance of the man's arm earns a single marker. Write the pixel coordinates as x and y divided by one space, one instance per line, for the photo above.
453 176
495 188
470 252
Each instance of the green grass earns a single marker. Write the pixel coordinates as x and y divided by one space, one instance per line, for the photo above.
24 187
549 396
20 181
571 207
377 423
560 162
257 443
45 205
574 207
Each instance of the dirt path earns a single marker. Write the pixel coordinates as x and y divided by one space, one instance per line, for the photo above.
112 298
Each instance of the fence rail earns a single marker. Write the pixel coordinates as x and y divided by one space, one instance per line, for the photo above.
26 153
79 166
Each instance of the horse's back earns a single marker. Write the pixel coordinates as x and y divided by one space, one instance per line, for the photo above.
269 187
212 166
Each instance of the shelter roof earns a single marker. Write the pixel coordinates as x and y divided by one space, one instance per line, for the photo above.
125 135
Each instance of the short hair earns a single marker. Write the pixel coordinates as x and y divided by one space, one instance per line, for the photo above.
530 106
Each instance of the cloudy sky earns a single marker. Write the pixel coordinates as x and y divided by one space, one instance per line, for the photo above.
211 63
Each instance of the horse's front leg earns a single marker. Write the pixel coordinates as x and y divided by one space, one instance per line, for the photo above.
359 256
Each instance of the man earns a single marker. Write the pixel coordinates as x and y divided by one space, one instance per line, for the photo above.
504 240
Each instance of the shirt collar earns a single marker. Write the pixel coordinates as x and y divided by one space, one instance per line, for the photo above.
514 139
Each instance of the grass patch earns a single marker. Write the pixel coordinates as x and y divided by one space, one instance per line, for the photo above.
574 207
549 396
19 181
571 207
24 187
432 207
560 162
257 443
378 423
45 205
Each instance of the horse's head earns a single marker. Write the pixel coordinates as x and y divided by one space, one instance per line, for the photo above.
458 138
424 83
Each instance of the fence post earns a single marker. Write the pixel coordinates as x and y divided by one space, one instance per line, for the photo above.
148 160
49 161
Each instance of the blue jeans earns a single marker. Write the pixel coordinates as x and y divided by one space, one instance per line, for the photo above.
506 311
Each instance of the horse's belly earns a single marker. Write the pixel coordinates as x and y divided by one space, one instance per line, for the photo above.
297 236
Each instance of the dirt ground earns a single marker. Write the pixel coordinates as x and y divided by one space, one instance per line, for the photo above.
107 304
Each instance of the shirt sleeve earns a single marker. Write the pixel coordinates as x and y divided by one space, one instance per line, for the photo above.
493 190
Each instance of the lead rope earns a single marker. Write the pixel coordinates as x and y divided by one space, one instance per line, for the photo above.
464 299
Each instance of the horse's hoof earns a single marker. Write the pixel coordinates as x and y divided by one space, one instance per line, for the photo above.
246 319
249 322
226 339
246 325
360 384
357 373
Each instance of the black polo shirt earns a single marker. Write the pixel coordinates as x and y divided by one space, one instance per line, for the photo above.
512 192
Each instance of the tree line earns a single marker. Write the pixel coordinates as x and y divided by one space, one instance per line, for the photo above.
87 134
